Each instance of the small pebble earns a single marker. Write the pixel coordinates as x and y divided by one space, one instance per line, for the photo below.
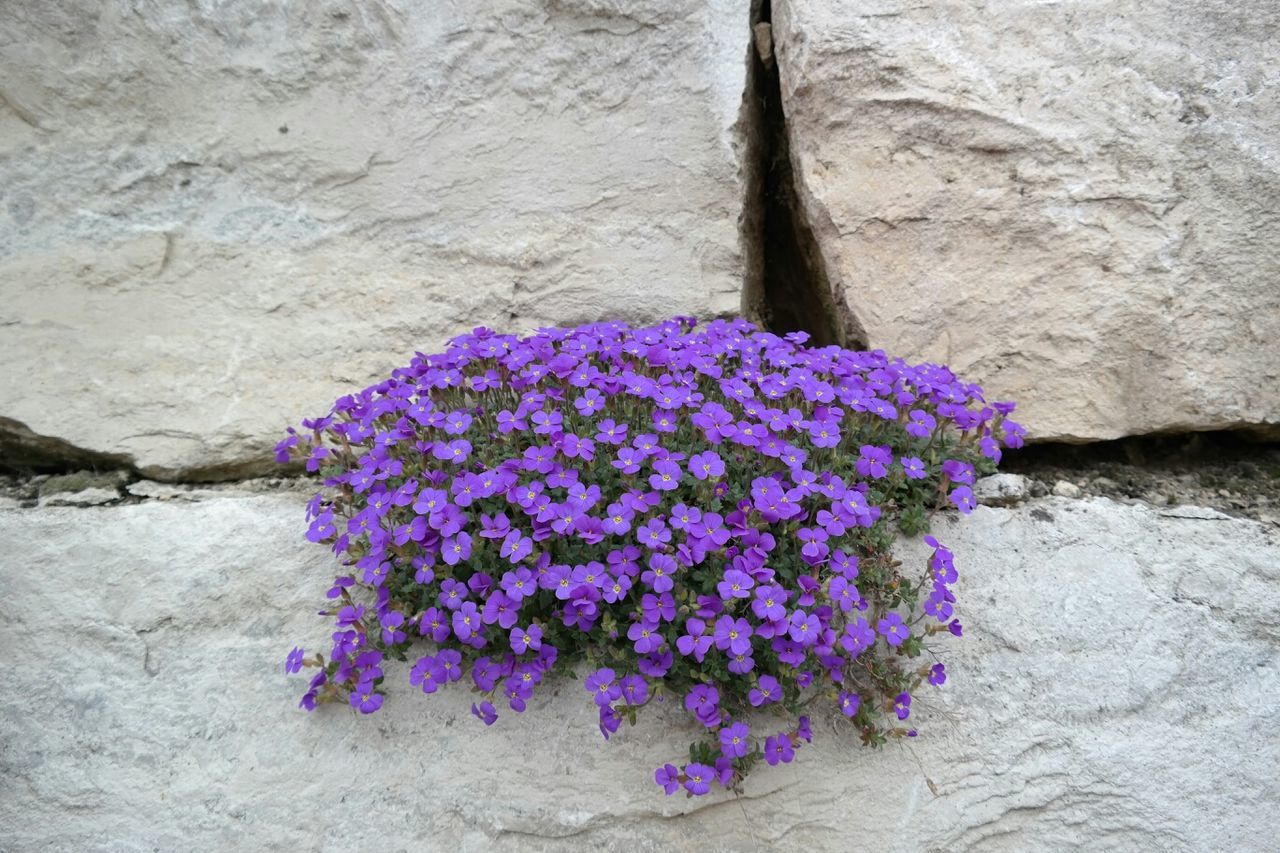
1001 490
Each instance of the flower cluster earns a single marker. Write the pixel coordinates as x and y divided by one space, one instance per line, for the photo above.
696 512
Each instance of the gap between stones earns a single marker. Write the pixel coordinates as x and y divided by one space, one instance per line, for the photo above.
787 288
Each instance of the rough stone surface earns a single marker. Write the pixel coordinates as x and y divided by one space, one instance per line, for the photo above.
215 218
1073 203
1116 689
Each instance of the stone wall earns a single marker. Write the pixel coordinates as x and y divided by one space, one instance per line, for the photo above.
217 217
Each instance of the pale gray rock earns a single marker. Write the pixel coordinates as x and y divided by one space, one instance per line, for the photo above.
93 496
1072 203
1066 489
215 218
151 490
78 481
1115 690
1001 489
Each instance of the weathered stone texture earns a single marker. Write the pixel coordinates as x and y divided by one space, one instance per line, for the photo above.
1116 689
1072 203
218 216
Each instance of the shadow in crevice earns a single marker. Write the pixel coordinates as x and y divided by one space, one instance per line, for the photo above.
788 288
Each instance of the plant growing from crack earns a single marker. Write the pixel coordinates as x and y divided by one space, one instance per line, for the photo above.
704 513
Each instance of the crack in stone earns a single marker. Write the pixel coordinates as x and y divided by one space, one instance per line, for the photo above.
24 451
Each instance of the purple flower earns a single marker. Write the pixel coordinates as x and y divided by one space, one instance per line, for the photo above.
293 663
937 604
920 423
602 687
701 697
485 713
805 628
962 497
456 451
435 624
617 519
707 465
845 565
659 608
902 705
858 637
515 547
736 584
574 447
467 621
420 675
658 664
697 778
456 549
526 641
958 472
778 748
546 423
484 673
668 778
666 475
645 637
628 460
813 548
765 692
611 433
508 422
661 568
734 740
849 703
844 594
654 534
609 720
350 615
391 623
364 699
447 666
518 584
937 675
589 403
824 433
874 461
635 690
733 635
616 589
892 629
695 643
913 468
770 603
